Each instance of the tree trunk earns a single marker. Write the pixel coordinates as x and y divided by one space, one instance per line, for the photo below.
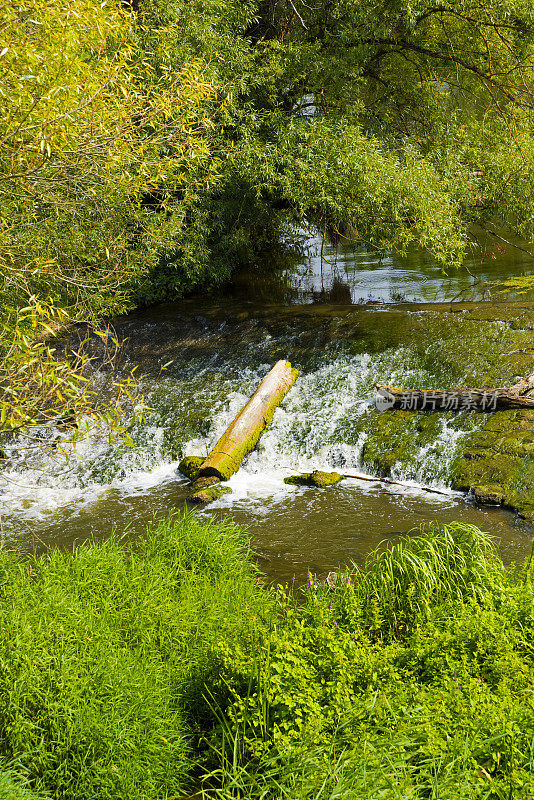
499 398
242 435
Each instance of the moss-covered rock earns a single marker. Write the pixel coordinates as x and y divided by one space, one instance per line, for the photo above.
209 494
316 478
497 462
190 465
204 483
489 495
480 345
396 438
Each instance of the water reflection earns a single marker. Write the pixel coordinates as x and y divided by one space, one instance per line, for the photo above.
346 273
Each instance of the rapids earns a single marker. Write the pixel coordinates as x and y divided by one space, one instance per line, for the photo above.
200 360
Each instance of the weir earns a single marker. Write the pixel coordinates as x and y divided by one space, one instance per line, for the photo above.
326 422
215 352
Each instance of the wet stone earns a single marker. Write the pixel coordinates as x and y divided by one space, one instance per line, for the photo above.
497 463
209 494
315 478
489 495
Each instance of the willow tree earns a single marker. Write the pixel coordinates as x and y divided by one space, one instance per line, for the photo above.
147 146
87 130
405 122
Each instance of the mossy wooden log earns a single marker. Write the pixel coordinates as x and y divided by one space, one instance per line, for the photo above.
462 399
190 465
204 483
242 435
209 494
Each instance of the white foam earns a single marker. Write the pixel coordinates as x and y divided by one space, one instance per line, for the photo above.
307 434
315 428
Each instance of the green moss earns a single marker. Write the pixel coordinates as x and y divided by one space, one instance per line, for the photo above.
316 478
209 494
227 456
204 482
395 438
190 466
489 495
487 345
498 461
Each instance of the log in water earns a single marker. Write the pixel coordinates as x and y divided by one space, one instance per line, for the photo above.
242 435
502 397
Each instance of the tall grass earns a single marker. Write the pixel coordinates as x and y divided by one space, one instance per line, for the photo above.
402 584
150 669
12 788
104 655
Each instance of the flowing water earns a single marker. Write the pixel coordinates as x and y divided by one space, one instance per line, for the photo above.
349 273
200 361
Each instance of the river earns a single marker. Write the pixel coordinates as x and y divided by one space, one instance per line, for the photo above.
346 320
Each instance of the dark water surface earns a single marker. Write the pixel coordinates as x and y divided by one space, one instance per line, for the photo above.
349 273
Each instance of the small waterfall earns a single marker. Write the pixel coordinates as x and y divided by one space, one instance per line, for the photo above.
69 475
326 422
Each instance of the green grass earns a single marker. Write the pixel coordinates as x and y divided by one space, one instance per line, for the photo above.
413 678
157 668
104 655
12 788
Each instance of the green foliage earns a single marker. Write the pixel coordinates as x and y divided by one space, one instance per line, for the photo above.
152 146
410 678
104 654
88 132
11 788
139 669
401 585
133 138
41 387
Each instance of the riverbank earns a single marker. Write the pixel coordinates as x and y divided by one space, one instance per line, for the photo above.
152 669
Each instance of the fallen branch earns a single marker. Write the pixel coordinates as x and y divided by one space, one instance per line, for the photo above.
485 400
322 479
390 481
